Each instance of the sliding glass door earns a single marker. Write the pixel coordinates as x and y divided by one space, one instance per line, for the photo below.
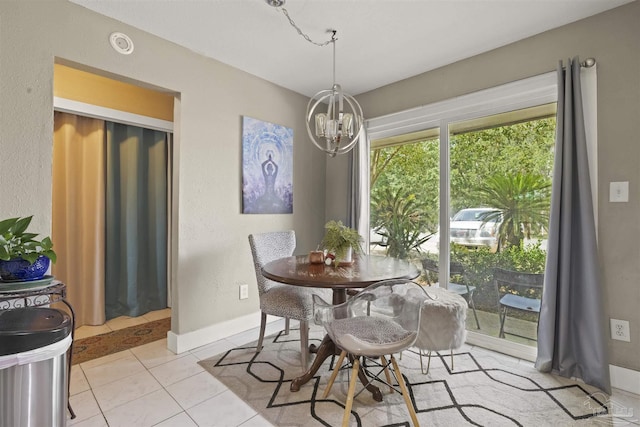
462 188
500 170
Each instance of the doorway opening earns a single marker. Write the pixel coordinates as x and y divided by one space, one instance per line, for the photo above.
112 199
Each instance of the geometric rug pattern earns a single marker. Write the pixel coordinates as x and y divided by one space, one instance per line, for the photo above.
483 389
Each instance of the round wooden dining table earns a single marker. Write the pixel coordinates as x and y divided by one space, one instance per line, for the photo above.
364 271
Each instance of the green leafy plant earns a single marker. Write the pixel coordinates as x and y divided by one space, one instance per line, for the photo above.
338 238
402 220
16 242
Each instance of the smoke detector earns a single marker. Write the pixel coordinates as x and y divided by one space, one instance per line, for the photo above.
121 43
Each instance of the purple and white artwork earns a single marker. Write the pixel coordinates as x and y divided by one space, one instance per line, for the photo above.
267 167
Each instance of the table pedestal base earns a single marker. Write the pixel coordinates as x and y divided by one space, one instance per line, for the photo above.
326 349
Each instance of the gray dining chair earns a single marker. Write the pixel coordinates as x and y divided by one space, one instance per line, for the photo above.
279 299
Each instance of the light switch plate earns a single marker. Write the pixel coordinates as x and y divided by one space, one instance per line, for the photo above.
619 191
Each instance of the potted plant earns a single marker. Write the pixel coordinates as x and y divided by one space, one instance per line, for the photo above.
341 241
22 257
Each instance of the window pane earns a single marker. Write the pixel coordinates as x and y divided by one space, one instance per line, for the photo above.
404 194
500 185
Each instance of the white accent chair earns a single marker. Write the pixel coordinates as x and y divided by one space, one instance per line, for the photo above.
442 323
455 269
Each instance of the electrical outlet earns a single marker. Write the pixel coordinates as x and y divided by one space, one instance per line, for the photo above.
620 330
619 191
244 291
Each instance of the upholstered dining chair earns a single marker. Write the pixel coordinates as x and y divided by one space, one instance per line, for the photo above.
279 299
465 290
380 320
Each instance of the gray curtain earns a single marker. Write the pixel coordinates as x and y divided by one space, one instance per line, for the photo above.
358 203
571 332
136 221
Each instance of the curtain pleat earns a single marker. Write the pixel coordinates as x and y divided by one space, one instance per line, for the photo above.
358 203
571 332
136 221
78 213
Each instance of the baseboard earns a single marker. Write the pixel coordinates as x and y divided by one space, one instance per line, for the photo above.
625 379
510 348
179 343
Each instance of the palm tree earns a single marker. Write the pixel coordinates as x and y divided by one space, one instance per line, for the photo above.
523 201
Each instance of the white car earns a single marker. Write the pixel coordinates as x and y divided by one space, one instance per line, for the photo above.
469 228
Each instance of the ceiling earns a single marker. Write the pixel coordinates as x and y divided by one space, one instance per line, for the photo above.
379 41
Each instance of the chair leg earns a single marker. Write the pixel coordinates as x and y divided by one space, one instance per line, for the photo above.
386 372
304 344
352 389
428 362
334 374
452 359
263 325
503 312
473 307
286 326
405 392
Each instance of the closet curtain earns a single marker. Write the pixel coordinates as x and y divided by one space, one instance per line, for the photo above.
571 332
78 233
136 218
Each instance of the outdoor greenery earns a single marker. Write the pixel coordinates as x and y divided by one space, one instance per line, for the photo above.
523 201
507 167
521 148
16 242
400 218
479 264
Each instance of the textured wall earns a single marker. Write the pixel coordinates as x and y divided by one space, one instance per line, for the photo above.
211 249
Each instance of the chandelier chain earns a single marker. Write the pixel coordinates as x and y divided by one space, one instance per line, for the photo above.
306 37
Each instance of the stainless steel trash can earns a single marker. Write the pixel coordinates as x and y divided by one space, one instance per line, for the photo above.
33 367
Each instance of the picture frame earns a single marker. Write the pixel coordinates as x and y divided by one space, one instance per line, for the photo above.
267 167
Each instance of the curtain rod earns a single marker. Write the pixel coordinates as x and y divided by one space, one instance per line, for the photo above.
587 63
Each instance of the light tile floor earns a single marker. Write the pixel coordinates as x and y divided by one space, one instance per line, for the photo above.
151 386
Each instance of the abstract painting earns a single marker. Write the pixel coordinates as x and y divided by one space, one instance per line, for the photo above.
267 167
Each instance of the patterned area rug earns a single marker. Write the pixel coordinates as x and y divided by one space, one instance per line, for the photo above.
483 388
85 349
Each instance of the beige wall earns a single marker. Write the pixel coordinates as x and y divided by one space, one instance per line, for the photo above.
212 249
613 38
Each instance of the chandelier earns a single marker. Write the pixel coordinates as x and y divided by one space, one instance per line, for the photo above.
334 118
